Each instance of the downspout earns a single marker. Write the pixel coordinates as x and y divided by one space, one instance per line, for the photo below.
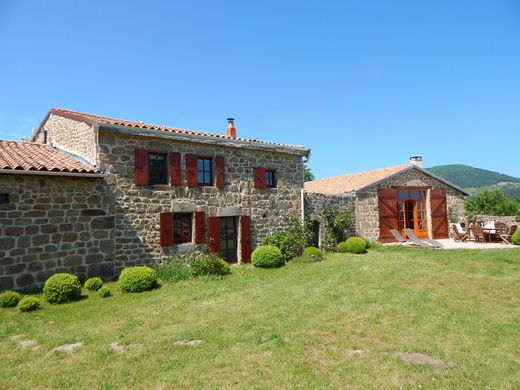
303 204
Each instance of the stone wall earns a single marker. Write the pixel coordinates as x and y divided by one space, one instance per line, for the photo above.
138 209
54 224
367 212
508 220
315 205
73 136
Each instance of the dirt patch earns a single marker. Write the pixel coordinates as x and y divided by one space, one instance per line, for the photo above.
116 347
28 344
192 343
15 337
67 348
420 358
135 346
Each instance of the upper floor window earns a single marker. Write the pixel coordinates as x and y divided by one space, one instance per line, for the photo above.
181 228
204 171
270 179
4 198
158 168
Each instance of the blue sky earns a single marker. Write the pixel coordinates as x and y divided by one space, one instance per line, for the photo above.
364 84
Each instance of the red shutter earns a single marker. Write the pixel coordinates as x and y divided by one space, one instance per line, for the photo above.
245 238
166 228
175 169
220 180
141 167
200 227
259 177
214 234
439 213
191 171
387 204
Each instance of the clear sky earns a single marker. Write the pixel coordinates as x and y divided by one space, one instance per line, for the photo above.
363 83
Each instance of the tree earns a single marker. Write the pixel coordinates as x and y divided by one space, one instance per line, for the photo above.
307 173
492 202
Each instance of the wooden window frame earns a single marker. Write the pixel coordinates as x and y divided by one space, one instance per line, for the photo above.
177 235
151 169
269 184
211 180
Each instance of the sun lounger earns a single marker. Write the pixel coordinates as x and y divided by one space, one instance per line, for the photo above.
507 237
422 243
399 238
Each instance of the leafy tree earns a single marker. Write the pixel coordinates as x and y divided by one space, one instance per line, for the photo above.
492 202
307 173
293 241
337 225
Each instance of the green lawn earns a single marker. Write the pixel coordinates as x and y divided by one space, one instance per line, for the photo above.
295 327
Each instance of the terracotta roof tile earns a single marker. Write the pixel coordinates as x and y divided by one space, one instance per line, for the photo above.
353 181
32 156
100 119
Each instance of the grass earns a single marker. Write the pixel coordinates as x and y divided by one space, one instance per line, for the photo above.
294 327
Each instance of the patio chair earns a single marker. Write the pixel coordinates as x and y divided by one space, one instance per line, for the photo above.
399 238
459 236
478 233
501 228
422 243
507 237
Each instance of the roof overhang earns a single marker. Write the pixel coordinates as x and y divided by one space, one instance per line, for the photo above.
51 173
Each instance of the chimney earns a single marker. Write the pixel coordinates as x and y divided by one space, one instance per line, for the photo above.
416 160
231 131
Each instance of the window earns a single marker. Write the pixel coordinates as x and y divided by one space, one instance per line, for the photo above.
158 170
204 171
270 179
181 228
4 198
412 209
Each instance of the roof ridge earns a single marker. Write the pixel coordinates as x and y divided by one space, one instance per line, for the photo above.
406 165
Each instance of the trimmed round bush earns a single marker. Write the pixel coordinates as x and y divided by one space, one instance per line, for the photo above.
94 284
209 264
61 288
137 279
313 252
104 292
355 245
28 303
515 239
9 299
267 256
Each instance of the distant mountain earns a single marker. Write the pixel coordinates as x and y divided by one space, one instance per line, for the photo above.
466 176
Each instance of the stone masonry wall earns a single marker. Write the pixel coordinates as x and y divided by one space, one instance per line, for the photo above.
75 137
367 212
315 205
137 212
54 224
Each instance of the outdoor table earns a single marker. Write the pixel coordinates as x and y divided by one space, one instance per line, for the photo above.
490 232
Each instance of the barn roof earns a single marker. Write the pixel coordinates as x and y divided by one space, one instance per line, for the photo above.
363 180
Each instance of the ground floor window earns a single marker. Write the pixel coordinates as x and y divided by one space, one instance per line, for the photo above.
181 228
4 198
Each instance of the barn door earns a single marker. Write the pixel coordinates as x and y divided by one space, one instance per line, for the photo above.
387 204
439 213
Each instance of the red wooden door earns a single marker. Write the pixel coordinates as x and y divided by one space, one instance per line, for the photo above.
439 213
214 235
387 204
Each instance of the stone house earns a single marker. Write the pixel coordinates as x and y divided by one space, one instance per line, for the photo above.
92 194
398 197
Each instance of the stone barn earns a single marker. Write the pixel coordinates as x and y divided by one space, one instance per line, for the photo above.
398 197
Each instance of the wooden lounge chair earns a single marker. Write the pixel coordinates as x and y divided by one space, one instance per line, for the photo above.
459 236
507 237
422 243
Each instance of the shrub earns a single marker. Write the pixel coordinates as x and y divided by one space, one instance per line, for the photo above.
515 239
137 279
267 256
93 284
353 245
28 303
209 264
313 252
9 299
292 242
61 288
104 292
173 271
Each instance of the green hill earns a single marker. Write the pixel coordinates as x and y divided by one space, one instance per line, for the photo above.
468 177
